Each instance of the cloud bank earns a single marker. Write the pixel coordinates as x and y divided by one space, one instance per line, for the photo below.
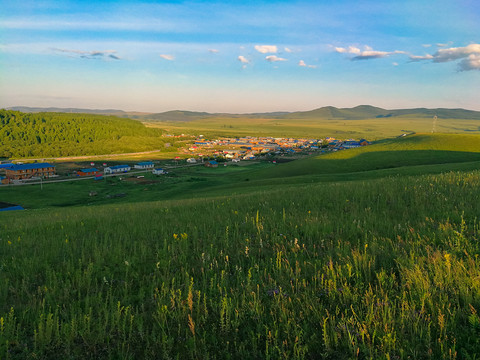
469 57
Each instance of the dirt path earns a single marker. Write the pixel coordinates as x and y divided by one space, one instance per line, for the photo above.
88 157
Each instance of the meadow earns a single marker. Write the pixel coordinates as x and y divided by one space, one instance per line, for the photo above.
316 127
378 269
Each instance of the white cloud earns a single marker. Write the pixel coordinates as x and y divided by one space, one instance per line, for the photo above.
349 50
367 54
288 50
470 63
420 57
469 56
264 49
426 45
450 54
395 64
167 57
214 51
274 58
303 64
243 59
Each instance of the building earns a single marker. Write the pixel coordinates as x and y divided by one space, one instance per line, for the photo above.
191 160
159 172
116 169
212 164
27 171
88 172
144 165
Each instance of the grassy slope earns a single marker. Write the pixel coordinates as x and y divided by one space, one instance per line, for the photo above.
412 150
378 269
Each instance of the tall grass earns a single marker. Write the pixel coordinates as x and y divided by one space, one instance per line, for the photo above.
386 269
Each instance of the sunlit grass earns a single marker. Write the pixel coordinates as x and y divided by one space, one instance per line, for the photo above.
381 269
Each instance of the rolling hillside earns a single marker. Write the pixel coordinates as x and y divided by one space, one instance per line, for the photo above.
412 150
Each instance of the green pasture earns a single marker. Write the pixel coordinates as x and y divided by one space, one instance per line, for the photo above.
371 129
369 269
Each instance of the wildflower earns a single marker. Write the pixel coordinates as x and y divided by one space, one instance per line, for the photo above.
127 263
246 250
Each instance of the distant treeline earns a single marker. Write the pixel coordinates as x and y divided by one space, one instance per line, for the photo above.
62 134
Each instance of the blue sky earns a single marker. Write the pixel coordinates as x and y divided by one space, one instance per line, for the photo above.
240 56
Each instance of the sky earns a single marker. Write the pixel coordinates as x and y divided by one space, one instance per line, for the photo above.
239 56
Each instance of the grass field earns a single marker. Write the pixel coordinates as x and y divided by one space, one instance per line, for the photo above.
361 254
383 268
371 129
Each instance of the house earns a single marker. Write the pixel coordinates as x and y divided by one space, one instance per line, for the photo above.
212 164
191 161
88 172
116 169
364 142
27 171
351 144
144 165
235 160
159 172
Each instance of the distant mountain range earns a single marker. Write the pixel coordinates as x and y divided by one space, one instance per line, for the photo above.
327 112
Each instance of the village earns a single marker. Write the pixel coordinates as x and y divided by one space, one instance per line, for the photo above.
209 153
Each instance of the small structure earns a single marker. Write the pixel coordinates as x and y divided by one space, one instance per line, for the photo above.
116 169
364 142
159 172
88 172
9 207
27 171
212 164
191 161
144 165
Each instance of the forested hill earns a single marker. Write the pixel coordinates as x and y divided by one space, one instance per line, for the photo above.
61 134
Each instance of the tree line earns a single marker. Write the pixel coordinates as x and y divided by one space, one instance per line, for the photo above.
63 134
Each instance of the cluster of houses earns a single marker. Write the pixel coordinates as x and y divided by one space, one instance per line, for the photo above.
248 147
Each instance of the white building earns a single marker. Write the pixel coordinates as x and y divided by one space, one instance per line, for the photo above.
116 169
144 165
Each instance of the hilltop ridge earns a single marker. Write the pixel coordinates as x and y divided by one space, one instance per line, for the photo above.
327 112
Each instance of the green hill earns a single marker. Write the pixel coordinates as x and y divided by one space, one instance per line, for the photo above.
411 150
371 112
63 134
